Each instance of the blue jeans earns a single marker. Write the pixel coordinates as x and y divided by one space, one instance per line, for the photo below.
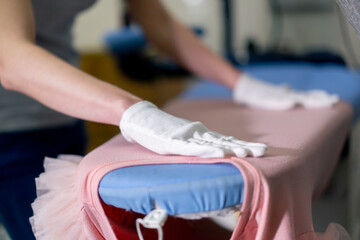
21 161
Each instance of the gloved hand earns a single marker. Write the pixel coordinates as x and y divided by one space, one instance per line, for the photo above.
255 93
163 133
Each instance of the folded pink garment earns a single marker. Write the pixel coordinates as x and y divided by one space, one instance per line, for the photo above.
304 146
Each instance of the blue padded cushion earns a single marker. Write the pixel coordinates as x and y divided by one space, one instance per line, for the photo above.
177 188
332 78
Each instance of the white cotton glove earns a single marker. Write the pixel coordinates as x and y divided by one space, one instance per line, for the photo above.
163 133
259 94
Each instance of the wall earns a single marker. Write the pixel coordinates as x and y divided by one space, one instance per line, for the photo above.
91 25
301 32
203 13
322 31
253 19
104 16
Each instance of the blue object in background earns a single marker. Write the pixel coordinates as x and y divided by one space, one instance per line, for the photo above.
125 40
177 188
132 38
128 47
332 78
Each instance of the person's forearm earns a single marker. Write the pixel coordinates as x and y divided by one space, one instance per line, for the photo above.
31 70
195 56
180 43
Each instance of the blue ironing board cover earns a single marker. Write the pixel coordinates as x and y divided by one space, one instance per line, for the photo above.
177 188
192 188
333 78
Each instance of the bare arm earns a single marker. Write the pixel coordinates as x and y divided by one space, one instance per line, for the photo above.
29 69
180 43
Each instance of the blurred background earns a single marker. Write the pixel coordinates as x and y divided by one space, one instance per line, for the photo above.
243 31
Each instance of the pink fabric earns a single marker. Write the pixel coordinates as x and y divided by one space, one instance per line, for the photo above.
304 146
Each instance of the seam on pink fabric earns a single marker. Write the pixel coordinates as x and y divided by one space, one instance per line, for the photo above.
252 177
308 235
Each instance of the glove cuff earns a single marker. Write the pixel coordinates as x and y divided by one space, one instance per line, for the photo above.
241 86
132 111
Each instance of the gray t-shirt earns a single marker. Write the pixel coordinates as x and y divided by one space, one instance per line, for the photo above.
54 20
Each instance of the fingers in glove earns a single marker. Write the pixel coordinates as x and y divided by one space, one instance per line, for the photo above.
197 148
316 99
231 145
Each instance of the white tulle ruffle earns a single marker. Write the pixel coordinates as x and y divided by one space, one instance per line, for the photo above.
57 212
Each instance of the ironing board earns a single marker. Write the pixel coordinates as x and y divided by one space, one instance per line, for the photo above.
277 191
125 182
304 146
179 194
333 78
